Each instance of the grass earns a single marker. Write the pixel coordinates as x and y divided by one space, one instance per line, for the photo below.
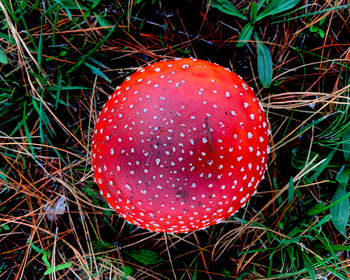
59 62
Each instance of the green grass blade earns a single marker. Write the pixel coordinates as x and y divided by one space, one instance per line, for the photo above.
340 247
102 21
261 3
54 25
69 14
40 45
26 129
227 7
56 268
144 256
43 119
322 166
253 12
320 208
64 88
58 88
37 249
23 19
308 266
9 10
97 72
340 7
91 52
346 144
3 57
18 126
322 222
53 9
95 3
243 275
46 261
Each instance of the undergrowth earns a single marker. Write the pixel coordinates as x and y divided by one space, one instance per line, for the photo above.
59 62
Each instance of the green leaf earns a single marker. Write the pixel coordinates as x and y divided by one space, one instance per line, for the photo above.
253 12
322 166
3 57
144 256
97 72
100 245
290 190
244 275
316 29
245 35
277 6
5 227
341 211
24 4
343 175
95 3
346 144
40 46
227 7
59 87
313 28
102 21
226 272
321 33
57 268
46 262
127 270
37 249
264 64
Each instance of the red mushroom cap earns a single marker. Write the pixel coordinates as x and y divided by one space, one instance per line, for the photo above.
180 145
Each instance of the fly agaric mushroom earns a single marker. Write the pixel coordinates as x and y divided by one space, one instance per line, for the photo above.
180 145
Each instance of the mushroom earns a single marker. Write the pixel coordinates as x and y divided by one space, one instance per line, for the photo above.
180 145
